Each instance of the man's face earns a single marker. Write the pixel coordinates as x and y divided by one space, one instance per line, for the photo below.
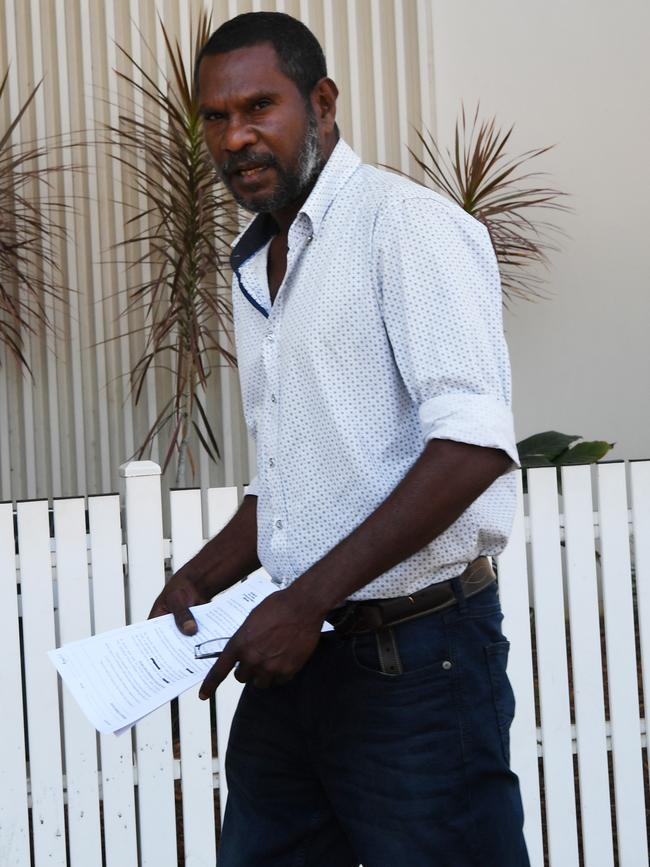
263 136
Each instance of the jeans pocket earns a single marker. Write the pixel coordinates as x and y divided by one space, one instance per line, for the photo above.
420 647
502 695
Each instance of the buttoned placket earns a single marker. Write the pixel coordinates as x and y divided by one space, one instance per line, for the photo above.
270 352
299 236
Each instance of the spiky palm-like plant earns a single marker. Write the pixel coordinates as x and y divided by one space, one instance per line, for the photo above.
28 226
181 234
480 176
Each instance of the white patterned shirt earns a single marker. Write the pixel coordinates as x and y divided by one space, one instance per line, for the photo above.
385 333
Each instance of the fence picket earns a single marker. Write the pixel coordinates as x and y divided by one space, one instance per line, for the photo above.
156 806
548 594
41 685
222 504
118 795
513 590
14 821
640 490
582 585
194 715
621 666
80 740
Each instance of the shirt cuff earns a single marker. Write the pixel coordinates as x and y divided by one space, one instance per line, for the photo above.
477 419
252 489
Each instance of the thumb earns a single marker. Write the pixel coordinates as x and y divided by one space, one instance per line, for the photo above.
220 670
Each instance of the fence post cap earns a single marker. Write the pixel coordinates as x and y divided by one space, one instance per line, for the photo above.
139 468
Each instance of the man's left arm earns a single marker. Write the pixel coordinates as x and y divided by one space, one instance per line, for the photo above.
280 635
442 313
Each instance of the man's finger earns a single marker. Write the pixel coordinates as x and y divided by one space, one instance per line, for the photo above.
219 671
176 604
159 608
185 621
243 673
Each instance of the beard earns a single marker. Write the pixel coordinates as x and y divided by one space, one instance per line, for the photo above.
291 184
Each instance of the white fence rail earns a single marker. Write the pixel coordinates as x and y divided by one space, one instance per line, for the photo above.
572 596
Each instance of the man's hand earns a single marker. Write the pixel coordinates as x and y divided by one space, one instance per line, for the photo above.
271 646
179 594
228 557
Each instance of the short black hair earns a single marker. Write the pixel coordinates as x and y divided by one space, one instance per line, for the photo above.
300 56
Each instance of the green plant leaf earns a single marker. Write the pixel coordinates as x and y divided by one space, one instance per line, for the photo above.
547 445
532 461
585 453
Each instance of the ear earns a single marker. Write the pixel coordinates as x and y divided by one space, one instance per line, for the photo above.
323 100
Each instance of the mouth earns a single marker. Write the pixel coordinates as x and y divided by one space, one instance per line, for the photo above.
249 177
251 171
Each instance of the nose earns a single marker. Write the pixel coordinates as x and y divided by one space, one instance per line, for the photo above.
239 134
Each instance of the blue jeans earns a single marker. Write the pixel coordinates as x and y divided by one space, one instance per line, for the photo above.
347 765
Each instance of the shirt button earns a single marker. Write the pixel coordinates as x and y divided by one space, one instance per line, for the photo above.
269 337
274 399
271 462
279 524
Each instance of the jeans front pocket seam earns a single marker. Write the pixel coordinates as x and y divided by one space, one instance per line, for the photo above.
442 666
502 695
439 665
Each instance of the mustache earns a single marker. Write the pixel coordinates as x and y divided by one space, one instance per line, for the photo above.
246 158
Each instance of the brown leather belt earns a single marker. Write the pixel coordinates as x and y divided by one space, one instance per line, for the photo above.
368 615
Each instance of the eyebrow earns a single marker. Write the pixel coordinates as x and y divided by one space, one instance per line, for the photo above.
248 98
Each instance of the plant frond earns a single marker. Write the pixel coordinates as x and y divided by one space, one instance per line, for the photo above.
477 174
181 233
30 223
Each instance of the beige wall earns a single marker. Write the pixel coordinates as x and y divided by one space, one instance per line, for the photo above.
576 74
572 73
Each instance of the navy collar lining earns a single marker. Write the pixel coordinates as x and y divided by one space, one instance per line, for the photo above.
260 232
247 295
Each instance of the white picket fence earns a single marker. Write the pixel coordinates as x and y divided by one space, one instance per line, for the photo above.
69 796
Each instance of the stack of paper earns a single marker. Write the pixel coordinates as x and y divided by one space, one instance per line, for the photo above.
122 675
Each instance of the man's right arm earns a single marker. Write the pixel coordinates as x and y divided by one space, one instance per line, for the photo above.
225 559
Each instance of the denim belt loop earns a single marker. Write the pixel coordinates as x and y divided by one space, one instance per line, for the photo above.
457 587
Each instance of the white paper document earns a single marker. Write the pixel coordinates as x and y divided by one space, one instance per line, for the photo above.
120 676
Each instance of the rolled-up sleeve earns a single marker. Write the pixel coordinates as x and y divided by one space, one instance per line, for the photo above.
252 489
440 295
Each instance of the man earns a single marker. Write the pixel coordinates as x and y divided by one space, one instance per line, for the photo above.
375 382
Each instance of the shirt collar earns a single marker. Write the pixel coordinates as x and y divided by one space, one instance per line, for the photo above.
338 169
336 172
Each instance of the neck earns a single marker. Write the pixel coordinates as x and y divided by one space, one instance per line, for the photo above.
284 217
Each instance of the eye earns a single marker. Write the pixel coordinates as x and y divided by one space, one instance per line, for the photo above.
261 104
212 116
